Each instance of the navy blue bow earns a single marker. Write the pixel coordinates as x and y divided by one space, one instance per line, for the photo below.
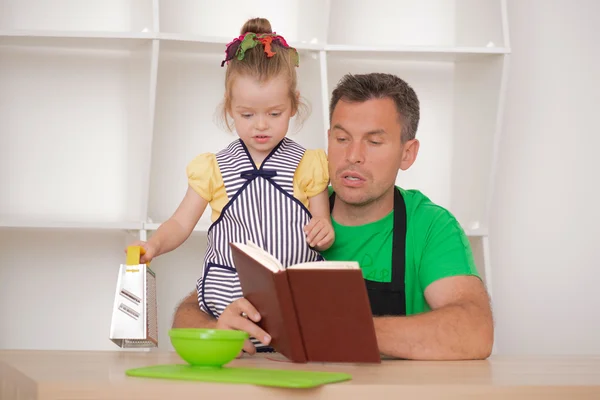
253 173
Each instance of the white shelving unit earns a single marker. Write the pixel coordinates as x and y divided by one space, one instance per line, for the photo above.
103 104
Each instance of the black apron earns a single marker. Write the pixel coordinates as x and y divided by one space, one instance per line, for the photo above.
389 298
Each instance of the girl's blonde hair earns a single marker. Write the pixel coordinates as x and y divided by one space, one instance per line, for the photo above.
256 64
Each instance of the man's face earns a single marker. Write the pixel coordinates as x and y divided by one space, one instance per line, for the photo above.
365 150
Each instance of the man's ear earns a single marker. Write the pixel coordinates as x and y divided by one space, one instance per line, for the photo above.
410 150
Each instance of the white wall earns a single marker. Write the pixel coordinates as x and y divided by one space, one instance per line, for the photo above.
546 220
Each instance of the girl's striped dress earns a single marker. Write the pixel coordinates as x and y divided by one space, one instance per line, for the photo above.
261 208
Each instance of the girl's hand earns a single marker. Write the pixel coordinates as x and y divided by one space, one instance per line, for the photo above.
150 251
319 233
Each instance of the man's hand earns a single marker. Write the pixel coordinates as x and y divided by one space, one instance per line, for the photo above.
241 315
319 233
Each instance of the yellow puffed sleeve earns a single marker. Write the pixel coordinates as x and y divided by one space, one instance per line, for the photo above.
312 175
201 175
205 178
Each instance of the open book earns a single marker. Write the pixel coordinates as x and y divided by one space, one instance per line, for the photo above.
315 312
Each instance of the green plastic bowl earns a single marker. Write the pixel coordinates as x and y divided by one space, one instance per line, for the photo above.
207 347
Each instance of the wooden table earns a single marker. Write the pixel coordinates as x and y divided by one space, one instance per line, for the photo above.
100 375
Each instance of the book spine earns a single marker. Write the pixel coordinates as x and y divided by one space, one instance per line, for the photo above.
290 318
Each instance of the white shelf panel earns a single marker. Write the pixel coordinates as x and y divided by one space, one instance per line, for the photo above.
415 23
212 44
201 227
299 21
476 110
73 114
77 15
415 53
33 224
186 118
83 41
77 34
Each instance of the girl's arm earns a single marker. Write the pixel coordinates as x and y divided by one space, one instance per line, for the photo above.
319 231
173 232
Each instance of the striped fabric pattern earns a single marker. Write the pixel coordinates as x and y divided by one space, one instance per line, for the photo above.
262 209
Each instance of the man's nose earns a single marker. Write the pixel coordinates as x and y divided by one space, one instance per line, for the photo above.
355 153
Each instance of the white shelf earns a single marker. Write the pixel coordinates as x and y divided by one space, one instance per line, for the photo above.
94 226
82 41
200 43
415 53
219 42
201 227
77 34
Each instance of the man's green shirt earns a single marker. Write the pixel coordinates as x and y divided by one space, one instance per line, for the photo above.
436 247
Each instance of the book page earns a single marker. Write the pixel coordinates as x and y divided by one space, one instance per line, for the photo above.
260 255
327 265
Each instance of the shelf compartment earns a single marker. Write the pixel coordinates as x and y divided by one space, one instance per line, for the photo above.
459 102
77 15
74 114
65 283
416 23
301 21
189 90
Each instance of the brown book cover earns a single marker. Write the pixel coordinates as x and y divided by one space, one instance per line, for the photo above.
335 317
315 312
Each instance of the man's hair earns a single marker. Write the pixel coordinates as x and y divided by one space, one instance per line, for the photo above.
360 88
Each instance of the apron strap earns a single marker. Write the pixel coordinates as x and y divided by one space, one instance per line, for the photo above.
399 243
397 283
331 201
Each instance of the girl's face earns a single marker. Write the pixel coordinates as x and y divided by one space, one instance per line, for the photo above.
261 112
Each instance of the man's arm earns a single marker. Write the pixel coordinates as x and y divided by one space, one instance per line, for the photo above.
459 326
189 315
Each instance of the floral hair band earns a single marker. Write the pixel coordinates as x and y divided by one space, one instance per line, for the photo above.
237 47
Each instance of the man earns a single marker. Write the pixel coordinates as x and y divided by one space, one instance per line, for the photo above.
427 299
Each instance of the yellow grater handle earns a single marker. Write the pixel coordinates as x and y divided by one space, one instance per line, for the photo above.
134 253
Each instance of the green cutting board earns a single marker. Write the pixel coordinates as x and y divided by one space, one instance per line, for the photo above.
254 376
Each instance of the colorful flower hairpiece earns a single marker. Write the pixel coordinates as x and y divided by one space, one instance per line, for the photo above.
237 47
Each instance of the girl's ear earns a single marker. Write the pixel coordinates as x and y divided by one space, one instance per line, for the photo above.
295 110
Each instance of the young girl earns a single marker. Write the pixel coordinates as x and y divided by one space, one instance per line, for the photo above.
263 187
